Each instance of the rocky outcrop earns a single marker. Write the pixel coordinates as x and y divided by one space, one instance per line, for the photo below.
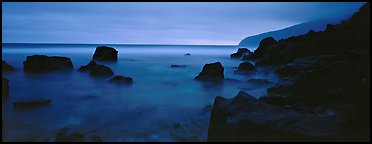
104 53
42 63
5 67
349 38
323 92
97 70
31 103
240 53
245 118
177 66
245 66
121 80
4 87
187 54
213 72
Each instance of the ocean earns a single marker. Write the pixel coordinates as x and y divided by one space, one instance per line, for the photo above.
162 104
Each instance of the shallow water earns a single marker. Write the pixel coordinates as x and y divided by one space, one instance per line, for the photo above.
145 111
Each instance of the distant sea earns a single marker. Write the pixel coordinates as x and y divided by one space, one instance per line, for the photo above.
160 97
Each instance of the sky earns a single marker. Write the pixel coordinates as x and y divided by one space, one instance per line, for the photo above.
191 23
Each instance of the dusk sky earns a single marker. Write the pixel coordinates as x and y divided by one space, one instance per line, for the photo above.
157 23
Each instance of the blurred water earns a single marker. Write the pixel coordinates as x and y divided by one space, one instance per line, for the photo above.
145 111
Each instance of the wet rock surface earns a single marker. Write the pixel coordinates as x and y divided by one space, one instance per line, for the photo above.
5 67
42 64
121 80
213 72
105 53
241 53
245 66
97 70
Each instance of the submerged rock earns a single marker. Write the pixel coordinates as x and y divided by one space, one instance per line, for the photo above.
245 66
4 87
97 70
213 72
244 118
178 66
105 53
32 103
5 67
42 63
121 80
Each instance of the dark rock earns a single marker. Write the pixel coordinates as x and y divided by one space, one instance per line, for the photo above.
121 80
63 135
5 87
96 138
178 66
187 54
97 70
42 63
32 103
243 98
324 97
303 64
259 80
275 100
265 46
241 52
6 67
213 72
311 32
244 118
104 53
176 125
245 66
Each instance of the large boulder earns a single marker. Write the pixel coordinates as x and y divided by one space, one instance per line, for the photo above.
42 63
213 72
264 47
104 53
241 52
5 67
245 66
244 118
4 87
121 80
97 70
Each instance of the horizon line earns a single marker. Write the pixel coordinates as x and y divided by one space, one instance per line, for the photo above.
118 44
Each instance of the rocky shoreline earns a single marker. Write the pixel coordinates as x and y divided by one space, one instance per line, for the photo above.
323 94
